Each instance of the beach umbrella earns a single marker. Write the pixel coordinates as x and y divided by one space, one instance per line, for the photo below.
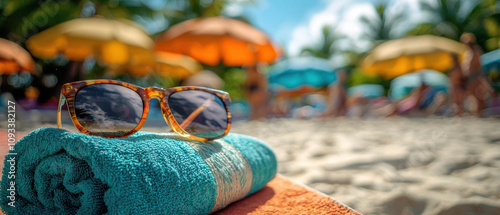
166 65
367 90
13 58
217 40
404 84
111 41
491 60
297 74
398 57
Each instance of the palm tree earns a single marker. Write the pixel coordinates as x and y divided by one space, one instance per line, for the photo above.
199 8
381 28
452 18
327 47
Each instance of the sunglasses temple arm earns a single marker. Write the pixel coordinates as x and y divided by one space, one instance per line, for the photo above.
195 113
62 101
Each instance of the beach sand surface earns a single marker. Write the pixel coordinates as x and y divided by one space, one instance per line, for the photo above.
395 165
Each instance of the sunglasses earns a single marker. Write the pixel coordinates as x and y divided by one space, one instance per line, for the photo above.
111 108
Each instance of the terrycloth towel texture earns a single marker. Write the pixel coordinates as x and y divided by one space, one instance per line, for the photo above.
58 172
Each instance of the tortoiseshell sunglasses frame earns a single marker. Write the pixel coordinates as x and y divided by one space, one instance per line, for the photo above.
69 91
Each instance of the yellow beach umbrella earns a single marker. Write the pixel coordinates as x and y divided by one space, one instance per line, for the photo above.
167 65
398 57
13 58
110 41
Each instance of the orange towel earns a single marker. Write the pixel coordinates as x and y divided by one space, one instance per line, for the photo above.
281 196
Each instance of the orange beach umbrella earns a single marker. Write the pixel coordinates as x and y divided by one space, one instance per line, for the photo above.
218 39
13 58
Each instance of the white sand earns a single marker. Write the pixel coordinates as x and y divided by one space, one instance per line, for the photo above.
392 165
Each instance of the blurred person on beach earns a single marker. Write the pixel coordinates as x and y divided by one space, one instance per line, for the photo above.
458 86
422 100
477 84
280 107
337 96
429 100
255 89
418 95
381 107
357 105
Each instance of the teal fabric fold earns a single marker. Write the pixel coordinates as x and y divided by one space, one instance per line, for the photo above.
260 156
58 172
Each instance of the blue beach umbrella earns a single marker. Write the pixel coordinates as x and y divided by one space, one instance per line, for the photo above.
367 90
297 73
491 60
403 85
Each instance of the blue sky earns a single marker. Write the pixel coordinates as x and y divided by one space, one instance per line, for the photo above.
297 23
280 17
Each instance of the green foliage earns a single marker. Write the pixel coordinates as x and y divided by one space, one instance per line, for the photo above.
328 44
423 29
452 18
492 25
21 19
357 76
353 57
233 79
381 28
201 8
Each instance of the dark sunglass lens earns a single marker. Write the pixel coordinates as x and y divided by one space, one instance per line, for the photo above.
199 113
108 109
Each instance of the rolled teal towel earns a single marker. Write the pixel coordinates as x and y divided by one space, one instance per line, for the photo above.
58 172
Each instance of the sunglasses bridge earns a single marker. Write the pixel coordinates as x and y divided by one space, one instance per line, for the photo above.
159 93
155 93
